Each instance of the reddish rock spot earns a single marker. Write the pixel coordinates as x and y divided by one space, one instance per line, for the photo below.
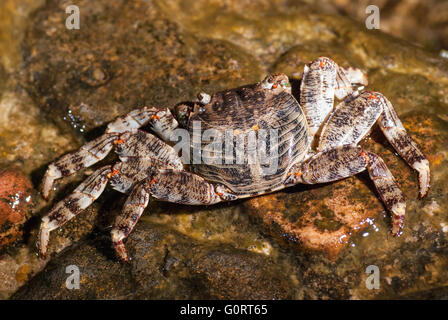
15 199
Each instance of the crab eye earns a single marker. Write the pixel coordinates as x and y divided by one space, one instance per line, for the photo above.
204 98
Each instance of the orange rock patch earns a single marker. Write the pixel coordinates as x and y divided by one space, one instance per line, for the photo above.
15 198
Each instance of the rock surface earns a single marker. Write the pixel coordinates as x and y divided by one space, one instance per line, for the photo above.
165 265
15 200
129 54
421 22
134 57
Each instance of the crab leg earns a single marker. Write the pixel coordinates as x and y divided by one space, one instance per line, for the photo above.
186 188
87 155
133 208
82 197
166 185
353 118
351 121
322 80
388 189
141 155
162 122
345 161
408 149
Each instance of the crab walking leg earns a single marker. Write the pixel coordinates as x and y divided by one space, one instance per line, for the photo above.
166 185
186 188
345 161
161 121
82 197
322 80
317 91
87 155
408 149
353 118
388 189
133 208
350 121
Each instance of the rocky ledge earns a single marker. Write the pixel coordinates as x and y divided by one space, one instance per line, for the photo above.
69 83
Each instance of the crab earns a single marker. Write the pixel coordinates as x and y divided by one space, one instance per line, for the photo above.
317 143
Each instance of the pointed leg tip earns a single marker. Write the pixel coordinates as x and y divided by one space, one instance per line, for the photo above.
121 252
126 260
42 252
397 230
45 190
423 193
42 240
424 177
397 226
424 186
47 185
398 215
42 255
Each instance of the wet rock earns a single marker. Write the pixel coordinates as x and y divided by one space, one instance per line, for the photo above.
404 19
165 265
162 53
28 141
239 275
264 28
15 200
17 266
433 294
13 22
91 77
